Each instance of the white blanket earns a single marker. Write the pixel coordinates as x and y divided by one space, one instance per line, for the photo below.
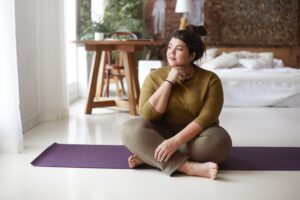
259 88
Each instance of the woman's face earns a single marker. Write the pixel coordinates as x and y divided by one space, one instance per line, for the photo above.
178 54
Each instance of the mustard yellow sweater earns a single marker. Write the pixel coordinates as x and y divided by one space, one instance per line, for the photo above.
199 99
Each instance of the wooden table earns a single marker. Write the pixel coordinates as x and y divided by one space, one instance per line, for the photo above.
127 50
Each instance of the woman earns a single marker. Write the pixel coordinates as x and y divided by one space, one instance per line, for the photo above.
179 107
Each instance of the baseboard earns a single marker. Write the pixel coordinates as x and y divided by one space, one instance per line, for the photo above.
30 122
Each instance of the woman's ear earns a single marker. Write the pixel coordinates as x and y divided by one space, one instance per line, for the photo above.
193 56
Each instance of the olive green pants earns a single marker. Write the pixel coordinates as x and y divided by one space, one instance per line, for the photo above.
142 137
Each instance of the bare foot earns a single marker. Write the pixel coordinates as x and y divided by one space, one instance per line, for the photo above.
208 169
134 161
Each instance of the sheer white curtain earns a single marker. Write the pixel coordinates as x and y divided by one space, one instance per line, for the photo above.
51 60
11 138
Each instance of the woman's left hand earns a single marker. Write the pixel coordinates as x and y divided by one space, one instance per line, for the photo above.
165 150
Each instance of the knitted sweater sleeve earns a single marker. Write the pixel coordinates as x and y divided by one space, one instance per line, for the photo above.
145 109
212 105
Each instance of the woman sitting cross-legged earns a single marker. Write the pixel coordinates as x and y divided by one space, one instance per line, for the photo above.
179 105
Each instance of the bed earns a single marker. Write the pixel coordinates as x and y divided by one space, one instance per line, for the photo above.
255 77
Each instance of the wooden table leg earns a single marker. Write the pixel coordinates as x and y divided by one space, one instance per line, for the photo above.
93 82
129 73
100 79
134 79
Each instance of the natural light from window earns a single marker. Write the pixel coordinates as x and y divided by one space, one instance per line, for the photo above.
76 57
97 9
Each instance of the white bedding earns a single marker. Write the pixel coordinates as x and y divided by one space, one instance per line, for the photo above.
260 87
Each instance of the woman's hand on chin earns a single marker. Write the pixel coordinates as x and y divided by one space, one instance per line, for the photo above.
185 73
174 74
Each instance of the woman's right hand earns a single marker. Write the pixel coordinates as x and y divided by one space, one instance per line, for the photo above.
173 74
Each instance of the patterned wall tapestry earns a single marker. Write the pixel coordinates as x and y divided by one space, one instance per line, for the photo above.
260 22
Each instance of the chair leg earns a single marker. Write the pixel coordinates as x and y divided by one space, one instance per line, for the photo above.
123 88
107 83
116 80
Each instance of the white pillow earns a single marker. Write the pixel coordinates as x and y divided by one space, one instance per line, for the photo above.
243 54
254 63
278 63
253 60
222 61
267 56
208 55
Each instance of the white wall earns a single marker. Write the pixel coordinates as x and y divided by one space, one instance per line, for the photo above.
26 33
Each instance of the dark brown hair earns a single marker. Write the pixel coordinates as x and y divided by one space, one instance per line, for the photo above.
191 35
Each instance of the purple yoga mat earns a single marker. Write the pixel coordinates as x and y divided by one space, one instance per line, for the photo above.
263 158
83 156
115 157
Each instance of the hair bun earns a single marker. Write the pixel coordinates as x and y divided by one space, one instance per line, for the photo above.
200 30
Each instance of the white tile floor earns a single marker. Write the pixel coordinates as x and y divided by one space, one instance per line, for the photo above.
248 127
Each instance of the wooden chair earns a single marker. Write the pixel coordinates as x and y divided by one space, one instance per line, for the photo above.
114 69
